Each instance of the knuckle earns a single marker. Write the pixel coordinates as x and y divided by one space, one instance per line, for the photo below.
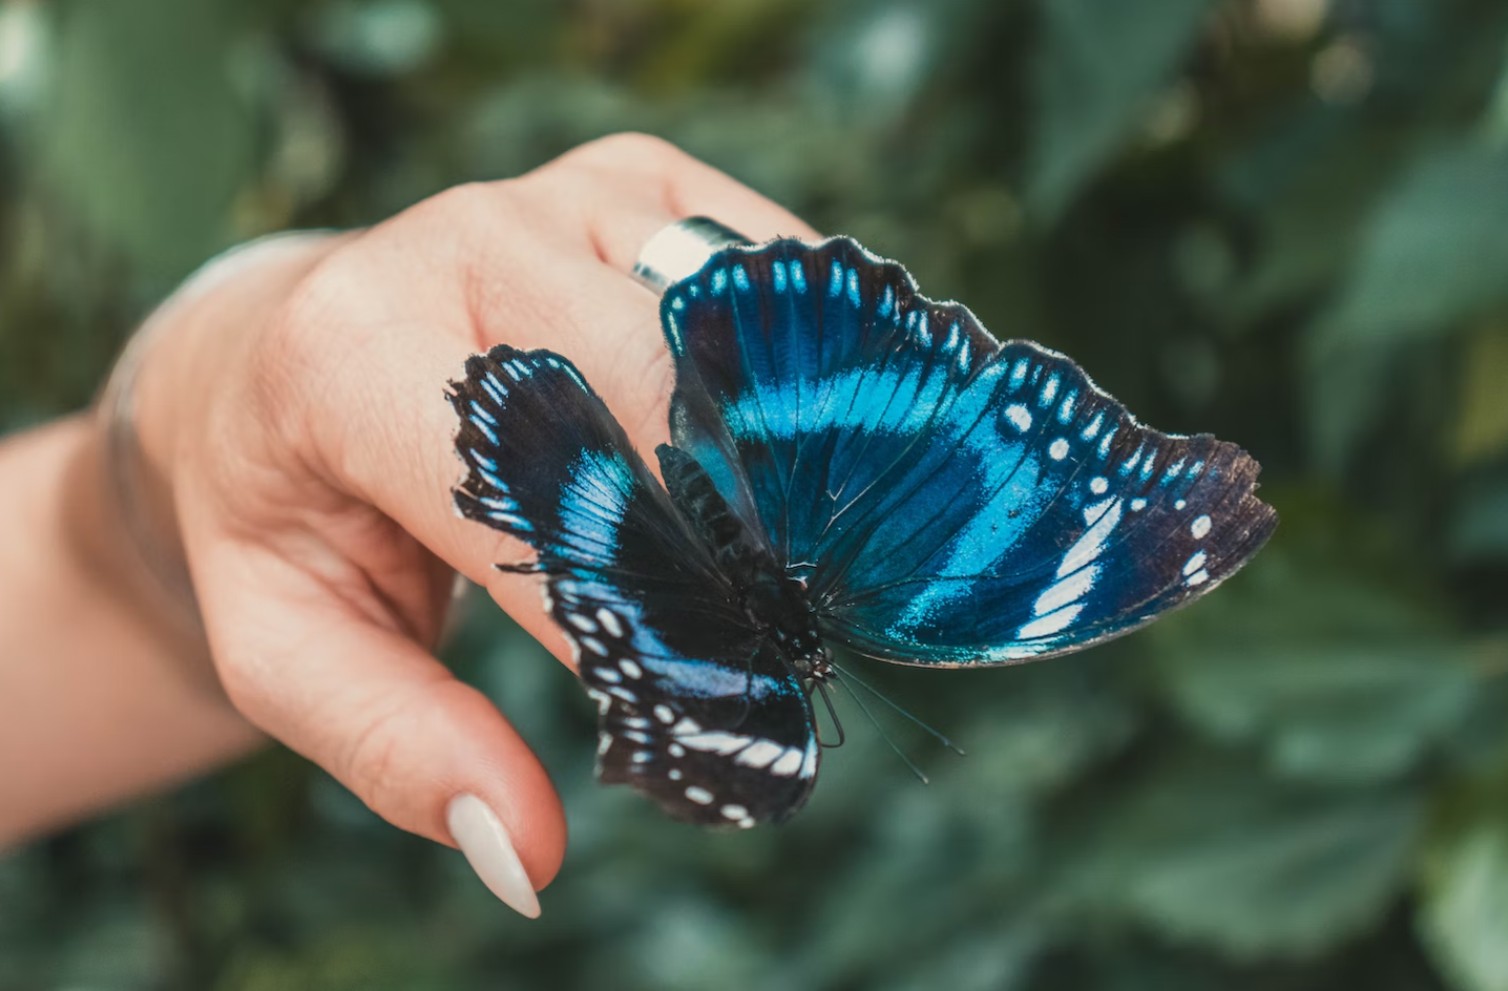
470 214
283 369
633 149
462 203
372 761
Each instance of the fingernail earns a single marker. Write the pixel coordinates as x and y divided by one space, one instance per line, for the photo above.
489 851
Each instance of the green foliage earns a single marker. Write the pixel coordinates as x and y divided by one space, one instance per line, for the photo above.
1283 222
1209 850
118 98
1090 93
1356 684
1434 251
1465 911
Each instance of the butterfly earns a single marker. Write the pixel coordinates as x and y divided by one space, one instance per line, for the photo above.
851 464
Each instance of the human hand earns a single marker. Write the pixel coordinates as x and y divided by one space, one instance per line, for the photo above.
294 407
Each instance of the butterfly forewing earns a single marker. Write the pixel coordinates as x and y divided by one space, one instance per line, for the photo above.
947 499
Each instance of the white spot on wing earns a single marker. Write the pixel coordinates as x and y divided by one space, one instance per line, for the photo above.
1019 417
1098 485
760 753
1051 623
1050 389
1105 516
716 741
1200 528
699 795
1065 590
1058 449
1194 563
1070 402
809 761
610 622
788 764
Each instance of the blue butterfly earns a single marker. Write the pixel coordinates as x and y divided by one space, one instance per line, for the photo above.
852 464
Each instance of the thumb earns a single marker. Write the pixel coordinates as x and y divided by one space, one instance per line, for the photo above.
345 688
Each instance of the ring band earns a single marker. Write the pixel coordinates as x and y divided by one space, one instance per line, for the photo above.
681 249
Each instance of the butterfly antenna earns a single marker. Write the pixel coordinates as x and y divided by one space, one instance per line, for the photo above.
885 736
832 713
926 727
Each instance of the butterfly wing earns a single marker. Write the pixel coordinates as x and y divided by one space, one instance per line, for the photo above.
948 499
698 710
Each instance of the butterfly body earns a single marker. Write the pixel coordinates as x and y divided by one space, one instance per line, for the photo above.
774 601
852 464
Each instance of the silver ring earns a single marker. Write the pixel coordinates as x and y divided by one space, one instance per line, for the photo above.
681 249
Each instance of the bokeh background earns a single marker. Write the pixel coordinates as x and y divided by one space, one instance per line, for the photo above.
1285 221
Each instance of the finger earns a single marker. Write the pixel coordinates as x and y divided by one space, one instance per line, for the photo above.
379 714
626 187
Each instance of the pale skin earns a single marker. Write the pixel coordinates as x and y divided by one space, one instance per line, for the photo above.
294 410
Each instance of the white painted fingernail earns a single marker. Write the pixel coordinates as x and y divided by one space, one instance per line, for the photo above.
489 851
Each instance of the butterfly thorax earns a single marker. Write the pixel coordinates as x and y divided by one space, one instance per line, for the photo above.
778 605
775 603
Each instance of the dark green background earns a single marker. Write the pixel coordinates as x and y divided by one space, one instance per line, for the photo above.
1283 221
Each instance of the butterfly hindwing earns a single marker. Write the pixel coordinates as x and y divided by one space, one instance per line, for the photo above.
698 710
948 499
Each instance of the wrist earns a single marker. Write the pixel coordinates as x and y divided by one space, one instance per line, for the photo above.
92 685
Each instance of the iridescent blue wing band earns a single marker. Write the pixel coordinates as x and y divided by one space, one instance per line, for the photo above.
947 499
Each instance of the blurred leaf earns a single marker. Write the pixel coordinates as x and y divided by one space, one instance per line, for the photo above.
875 58
1465 893
343 959
1334 672
1214 851
998 959
1307 181
113 944
1435 252
147 137
1099 64
1349 394
379 37
1479 525
1482 424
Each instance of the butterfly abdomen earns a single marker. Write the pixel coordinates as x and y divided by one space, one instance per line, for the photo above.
773 602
